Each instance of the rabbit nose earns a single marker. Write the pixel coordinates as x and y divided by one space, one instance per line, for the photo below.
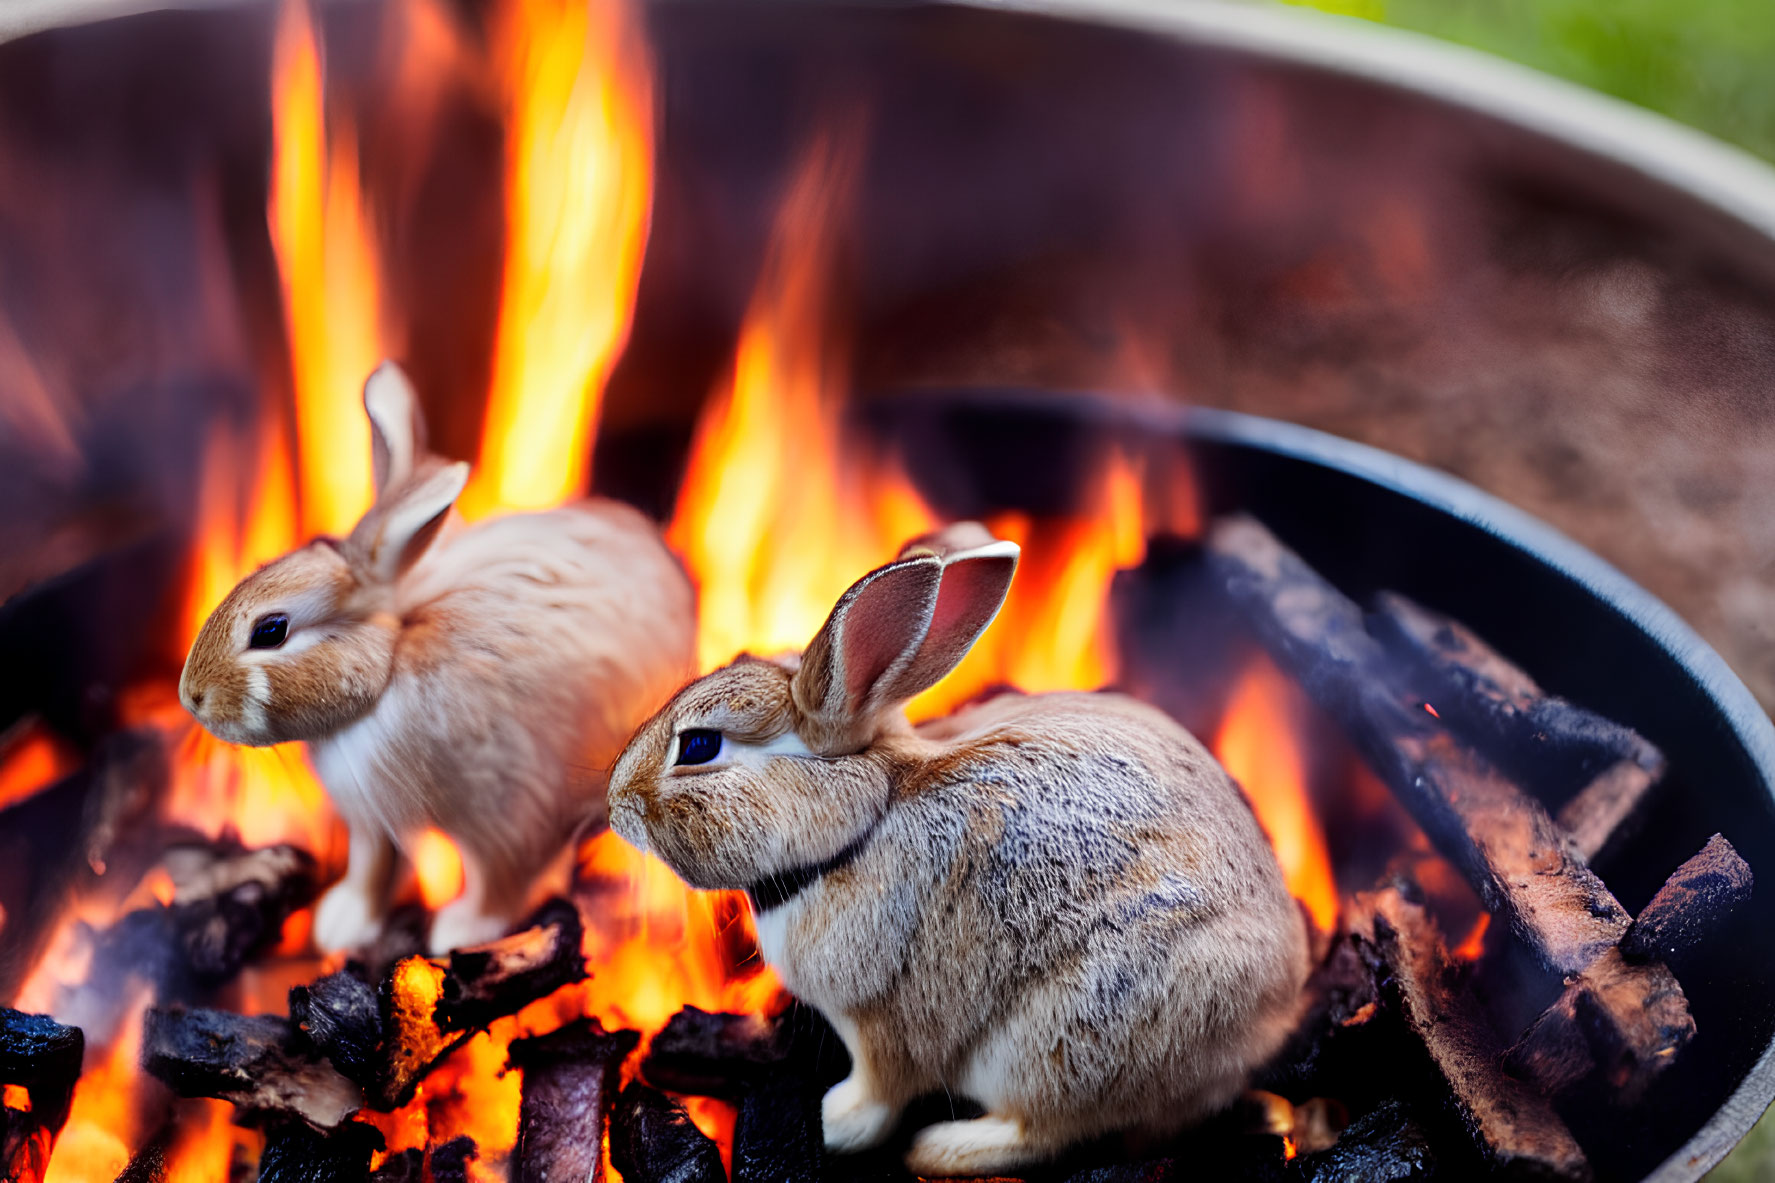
194 700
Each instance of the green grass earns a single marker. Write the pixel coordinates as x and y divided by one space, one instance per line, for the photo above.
1707 63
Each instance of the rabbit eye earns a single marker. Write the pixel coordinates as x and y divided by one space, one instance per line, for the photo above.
698 746
269 631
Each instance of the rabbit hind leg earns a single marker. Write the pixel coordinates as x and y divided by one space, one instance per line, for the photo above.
491 901
351 913
983 1146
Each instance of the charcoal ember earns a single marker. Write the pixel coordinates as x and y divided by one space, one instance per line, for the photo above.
652 1140
570 1076
429 1011
341 1016
297 1153
1701 894
776 1134
24 1145
491 981
1343 997
147 1165
715 1054
43 1056
1383 1146
257 1062
449 1160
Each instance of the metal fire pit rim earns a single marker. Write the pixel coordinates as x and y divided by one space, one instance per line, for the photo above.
1467 502
1728 179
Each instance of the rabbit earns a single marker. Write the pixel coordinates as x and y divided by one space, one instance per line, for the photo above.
1059 905
477 679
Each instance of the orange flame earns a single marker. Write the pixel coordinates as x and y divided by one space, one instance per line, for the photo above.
438 866
1472 946
35 761
103 1123
1259 744
774 518
579 184
330 288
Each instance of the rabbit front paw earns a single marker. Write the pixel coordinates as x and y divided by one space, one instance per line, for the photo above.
345 919
984 1146
853 1118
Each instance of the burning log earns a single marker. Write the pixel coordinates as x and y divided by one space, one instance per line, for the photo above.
428 1011
257 1062
147 1165
569 1076
491 981
1513 1125
298 1153
449 1162
1543 743
777 1135
652 1140
1692 902
1500 838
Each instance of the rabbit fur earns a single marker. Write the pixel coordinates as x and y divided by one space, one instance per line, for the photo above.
1059 905
477 679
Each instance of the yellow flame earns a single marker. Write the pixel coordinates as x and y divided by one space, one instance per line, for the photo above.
578 190
437 864
327 265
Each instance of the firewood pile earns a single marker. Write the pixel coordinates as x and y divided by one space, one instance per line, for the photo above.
1399 1070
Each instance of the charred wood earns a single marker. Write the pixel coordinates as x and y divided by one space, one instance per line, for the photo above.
1701 894
1383 1146
449 1161
715 1054
1603 810
44 1057
1550 746
25 1144
257 1062
340 1015
491 981
406 1167
652 1140
570 1077
1498 836
147 1165
298 1153
777 1136
1513 1125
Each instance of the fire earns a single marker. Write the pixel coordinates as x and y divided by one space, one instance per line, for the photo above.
775 519
579 183
438 866
102 1125
330 288
1260 745
35 761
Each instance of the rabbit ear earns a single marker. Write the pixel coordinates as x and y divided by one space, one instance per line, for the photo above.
397 432
874 631
902 627
977 573
405 521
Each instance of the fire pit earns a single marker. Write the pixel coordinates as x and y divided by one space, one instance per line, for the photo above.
844 282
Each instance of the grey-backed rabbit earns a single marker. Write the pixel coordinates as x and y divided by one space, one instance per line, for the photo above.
1058 905
479 679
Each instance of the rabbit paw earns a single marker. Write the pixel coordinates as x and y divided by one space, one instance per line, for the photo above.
854 1119
461 924
345 919
984 1146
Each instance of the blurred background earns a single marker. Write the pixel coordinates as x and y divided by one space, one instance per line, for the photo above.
1708 63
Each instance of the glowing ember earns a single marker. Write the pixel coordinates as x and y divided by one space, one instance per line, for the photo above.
34 761
1472 947
1259 743
331 302
578 186
102 1125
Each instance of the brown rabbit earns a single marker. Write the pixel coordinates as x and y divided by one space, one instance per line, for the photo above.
479 680
1058 905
